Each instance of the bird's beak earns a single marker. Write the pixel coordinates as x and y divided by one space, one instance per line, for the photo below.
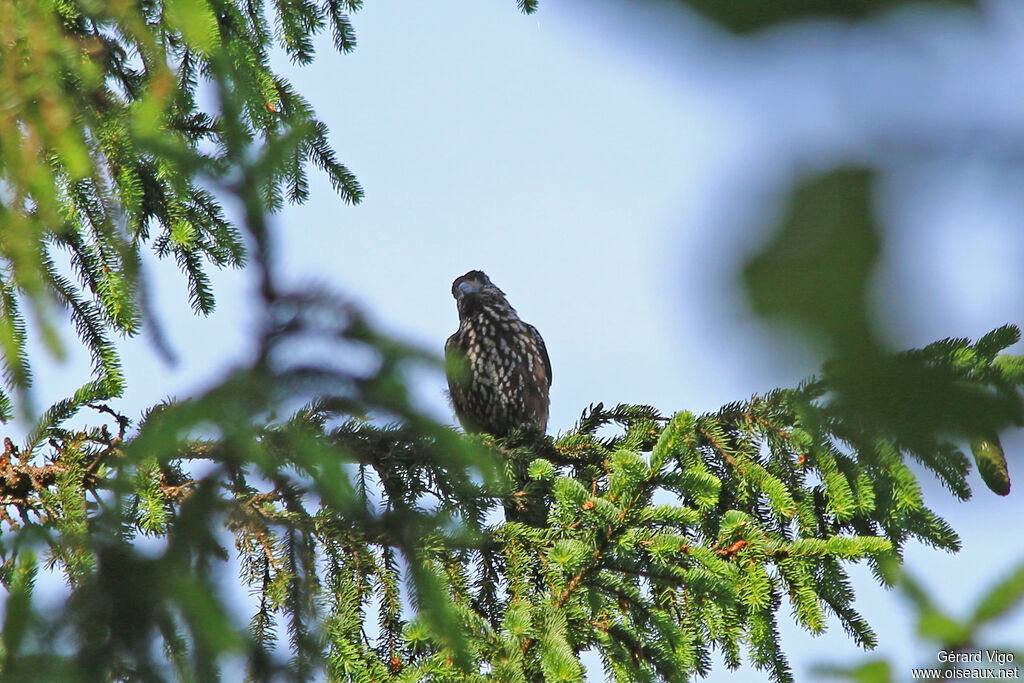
468 288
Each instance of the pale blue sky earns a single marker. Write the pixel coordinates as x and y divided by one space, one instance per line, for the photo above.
606 163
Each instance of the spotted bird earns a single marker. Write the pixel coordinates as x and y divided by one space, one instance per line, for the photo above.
499 372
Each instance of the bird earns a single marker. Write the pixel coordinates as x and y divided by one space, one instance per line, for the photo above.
499 373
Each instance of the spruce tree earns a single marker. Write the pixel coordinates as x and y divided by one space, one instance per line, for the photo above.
377 550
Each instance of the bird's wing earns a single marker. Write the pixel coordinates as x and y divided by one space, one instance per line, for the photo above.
543 351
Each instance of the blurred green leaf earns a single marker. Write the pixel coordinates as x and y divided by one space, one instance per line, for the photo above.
746 16
814 276
1002 599
874 671
195 20
942 631
814 272
18 606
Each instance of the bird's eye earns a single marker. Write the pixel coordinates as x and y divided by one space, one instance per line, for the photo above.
469 287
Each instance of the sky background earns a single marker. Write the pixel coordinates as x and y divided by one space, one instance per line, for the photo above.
609 164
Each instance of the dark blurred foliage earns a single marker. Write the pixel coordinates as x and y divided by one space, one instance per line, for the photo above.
752 15
368 535
815 275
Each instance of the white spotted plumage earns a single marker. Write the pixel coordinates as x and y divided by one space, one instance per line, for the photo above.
507 372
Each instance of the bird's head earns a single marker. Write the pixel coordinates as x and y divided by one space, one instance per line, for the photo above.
476 289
